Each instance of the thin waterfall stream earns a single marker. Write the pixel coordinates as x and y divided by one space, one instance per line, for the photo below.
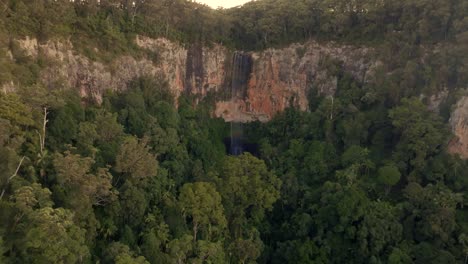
241 69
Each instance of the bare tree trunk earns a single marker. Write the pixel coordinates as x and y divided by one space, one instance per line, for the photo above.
11 177
43 135
134 13
195 231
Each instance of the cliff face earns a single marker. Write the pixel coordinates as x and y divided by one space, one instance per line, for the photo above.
253 86
459 123
250 85
70 70
259 84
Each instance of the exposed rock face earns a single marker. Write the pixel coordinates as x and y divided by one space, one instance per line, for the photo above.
76 71
283 77
257 85
195 69
459 123
8 87
253 86
249 85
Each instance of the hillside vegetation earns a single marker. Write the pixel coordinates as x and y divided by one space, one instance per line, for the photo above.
361 177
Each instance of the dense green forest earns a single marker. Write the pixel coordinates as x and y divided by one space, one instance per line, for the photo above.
359 178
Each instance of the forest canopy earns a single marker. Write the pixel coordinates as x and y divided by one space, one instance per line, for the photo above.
361 177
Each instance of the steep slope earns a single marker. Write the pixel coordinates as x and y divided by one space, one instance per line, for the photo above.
271 80
248 85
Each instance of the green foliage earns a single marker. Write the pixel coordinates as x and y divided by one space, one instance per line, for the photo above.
15 111
135 161
389 175
74 176
63 125
119 253
421 134
296 251
321 190
202 204
42 228
380 229
52 227
361 177
3 259
248 190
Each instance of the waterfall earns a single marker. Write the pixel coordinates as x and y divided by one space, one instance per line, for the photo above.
241 69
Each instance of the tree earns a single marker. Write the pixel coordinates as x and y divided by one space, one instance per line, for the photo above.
388 175
430 211
119 253
155 241
356 155
379 230
135 161
3 259
109 136
246 250
107 127
134 113
399 256
248 190
86 138
202 203
75 177
340 210
180 249
10 162
41 228
133 205
63 127
209 252
5 184
79 188
297 251
42 100
421 134
49 228
15 111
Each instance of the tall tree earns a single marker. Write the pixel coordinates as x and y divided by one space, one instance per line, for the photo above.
135 160
248 189
202 204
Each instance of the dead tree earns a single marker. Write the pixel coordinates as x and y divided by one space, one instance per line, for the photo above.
11 177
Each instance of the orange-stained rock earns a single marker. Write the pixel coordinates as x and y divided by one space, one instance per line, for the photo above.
459 123
283 77
277 78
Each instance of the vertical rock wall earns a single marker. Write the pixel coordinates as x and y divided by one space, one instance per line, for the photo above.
459 123
249 86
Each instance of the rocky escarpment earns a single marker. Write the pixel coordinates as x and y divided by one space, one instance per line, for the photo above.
249 85
459 123
254 86
259 84
67 69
